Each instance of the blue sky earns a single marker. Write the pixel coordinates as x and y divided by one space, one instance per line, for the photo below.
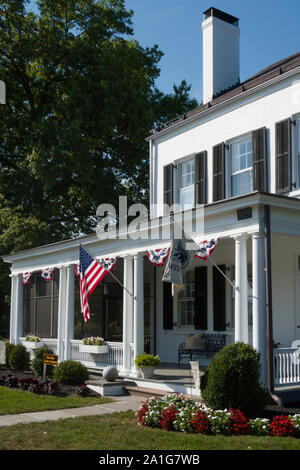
269 32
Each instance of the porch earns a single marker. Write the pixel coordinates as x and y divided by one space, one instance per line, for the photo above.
208 303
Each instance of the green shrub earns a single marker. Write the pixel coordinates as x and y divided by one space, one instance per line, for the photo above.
71 373
37 364
19 358
8 349
232 380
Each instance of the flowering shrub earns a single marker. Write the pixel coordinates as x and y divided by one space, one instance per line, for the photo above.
200 421
296 420
219 422
259 427
32 338
142 412
51 388
282 426
24 383
30 384
177 413
82 390
168 417
239 424
93 341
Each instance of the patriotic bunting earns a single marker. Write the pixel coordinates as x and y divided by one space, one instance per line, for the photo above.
47 274
158 256
76 269
108 263
26 278
206 248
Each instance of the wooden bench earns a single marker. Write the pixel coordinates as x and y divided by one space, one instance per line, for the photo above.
213 344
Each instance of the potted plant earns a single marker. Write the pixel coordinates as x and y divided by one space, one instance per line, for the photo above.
94 345
32 342
147 363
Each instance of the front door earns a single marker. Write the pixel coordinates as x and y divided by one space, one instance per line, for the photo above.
297 305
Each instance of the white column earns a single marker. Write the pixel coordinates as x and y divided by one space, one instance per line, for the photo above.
12 308
259 299
127 313
241 292
19 308
138 305
69 314
61 312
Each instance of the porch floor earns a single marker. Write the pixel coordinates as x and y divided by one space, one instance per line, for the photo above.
172 373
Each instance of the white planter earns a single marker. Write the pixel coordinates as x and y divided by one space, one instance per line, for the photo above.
33 344
86 348
147 372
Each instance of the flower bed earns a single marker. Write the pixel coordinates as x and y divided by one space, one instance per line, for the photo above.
177 413
47 387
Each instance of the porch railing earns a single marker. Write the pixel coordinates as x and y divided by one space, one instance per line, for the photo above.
114 357
286 365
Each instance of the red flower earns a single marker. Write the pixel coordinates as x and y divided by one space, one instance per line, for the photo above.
168 417
239 424
282 426
141 412
200 422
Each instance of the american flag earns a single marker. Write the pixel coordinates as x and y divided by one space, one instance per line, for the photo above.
91 273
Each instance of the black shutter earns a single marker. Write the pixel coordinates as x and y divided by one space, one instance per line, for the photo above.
219 172
168 185
283 156
259 148
219 298
200 178
167 306
200 318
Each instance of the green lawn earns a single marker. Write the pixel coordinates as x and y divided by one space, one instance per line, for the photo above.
16 401
119 431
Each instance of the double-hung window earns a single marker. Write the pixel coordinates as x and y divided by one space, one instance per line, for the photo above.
186 180
186 301
241 166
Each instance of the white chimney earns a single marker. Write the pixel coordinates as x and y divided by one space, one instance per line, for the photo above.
221 52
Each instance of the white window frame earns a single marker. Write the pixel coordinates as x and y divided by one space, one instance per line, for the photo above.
229 173
178 163
186 299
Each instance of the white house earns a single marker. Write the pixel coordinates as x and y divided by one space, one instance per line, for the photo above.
236 158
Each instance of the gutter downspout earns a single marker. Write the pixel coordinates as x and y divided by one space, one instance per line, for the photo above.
269 309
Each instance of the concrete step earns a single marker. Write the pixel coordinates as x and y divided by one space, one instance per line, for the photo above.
145 392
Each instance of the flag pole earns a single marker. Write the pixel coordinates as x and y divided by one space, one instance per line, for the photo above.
223 274
109 272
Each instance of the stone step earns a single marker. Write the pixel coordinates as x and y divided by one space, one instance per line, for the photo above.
106 388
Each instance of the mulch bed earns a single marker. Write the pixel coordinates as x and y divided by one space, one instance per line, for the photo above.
64 390
273 410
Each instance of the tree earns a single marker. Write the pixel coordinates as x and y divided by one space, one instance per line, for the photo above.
81 99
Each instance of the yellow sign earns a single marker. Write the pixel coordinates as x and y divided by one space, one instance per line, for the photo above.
50 359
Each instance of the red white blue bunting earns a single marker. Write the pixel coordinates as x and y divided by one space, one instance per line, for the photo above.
76 269
108 263
206 248
158 256
47 274
26 278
